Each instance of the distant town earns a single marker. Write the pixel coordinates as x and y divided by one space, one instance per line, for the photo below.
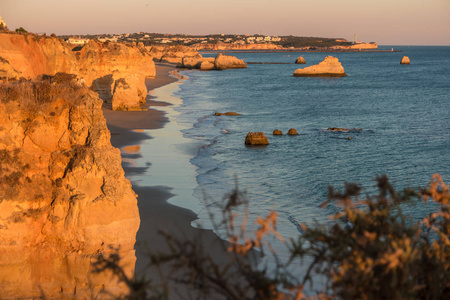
189 40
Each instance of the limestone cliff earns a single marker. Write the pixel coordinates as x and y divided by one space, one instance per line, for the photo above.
31 55
172 54
100 65
63 195
329 67
111 67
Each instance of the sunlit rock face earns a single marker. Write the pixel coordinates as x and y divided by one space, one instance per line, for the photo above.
30 55
329 67
172 54
99 65
223 62
63 199
102 64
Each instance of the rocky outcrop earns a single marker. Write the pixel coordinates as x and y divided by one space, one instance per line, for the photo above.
99 64
229 113
7 71
207 64
31 56
220 62
223 62
172 54
292 131
277 132
405 60
63 195
191 62
329 67
228 46
256 138
102 64
300 60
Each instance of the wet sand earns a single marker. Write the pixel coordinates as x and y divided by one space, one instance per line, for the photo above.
155 212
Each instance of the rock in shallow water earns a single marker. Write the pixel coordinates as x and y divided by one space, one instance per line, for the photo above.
329 67
405 60
292 131
256 138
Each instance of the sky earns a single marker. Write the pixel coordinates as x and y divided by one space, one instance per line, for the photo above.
387 22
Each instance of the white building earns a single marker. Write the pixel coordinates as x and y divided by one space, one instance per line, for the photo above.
77 41
2 22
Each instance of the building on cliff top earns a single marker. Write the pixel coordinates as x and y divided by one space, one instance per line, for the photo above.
77 41
2 23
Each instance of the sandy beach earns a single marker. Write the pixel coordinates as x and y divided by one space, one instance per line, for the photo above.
155 213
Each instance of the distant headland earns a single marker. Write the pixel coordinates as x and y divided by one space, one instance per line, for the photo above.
231 42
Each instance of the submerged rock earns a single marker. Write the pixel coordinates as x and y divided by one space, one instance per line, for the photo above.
300 60
230 113
329 67
256 138
405 60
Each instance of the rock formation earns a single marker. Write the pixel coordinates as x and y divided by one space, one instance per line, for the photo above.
172 54
207 64
63 195
329 67
230 113
223 62
7 71
256 138
191 62
99 64
31 56
292 131
300 60
405 60
277 132
102 64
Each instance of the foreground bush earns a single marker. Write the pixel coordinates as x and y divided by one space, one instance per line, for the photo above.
373 251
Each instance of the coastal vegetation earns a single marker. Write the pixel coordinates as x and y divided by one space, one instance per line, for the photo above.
371 251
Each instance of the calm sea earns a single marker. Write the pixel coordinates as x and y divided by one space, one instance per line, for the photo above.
403 112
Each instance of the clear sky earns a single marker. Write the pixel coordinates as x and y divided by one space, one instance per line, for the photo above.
387 22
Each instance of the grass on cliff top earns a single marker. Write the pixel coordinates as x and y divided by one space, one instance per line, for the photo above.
31 94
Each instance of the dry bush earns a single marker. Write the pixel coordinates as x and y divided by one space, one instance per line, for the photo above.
373 251
31 94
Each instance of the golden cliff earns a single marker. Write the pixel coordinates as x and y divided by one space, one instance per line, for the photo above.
100 65
63 195
117 72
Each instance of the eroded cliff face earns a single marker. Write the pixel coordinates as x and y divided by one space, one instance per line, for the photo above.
114 67
172 54
32 56
63 195
100 65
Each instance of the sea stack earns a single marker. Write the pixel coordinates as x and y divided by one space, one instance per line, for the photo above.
223 62
329 67
292 131
405 60
300 60
256 139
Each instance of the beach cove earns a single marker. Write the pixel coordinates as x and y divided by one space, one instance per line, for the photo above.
164 184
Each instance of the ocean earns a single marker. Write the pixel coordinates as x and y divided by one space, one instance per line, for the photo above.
403 112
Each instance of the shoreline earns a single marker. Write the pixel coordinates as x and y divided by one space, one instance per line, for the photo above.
128 133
